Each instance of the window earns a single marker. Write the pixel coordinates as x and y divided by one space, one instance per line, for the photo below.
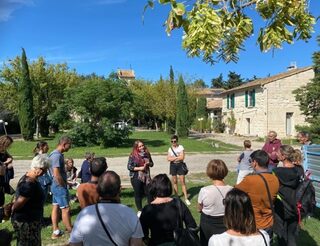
230 101
250 98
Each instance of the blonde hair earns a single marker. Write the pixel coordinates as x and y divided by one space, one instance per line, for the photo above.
290 153
5 142
297 155
40 161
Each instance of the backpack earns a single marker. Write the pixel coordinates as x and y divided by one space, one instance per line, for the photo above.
305 198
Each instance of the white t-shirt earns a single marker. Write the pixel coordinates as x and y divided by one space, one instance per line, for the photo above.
227 239
120 220
211 199
178 150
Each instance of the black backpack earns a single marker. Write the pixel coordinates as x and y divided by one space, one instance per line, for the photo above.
305 198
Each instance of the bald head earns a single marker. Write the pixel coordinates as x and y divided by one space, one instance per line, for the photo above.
109 185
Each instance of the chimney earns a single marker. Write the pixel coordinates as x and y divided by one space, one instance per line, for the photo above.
293 65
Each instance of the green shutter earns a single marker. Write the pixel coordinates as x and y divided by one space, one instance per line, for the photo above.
246 99
253 98
228 97
232 101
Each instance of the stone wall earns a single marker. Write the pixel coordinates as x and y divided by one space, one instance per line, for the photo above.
274 102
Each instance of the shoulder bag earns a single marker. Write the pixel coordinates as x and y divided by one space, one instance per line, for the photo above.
184 165
104 226
184 236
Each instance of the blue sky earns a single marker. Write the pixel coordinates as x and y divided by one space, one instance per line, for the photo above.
103 35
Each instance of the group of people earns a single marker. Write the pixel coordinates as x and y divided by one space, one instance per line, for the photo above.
248 213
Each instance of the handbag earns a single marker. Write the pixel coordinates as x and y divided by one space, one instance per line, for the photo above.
2 169
104 226
183 164
184 236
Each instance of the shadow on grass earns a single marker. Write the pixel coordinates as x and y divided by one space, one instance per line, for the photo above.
194 191
306 239
75 211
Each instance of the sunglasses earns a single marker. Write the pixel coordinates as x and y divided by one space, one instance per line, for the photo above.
173 141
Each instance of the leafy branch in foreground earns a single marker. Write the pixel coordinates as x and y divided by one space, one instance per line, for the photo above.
217 29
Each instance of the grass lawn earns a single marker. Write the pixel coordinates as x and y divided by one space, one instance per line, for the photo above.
157 142
309 235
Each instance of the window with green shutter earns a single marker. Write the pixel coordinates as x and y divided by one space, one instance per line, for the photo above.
232 100
246 99
228 98
253 98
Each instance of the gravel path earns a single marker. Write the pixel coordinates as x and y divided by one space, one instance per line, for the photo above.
196 162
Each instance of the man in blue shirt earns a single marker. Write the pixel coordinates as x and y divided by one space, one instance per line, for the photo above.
60 193
85 174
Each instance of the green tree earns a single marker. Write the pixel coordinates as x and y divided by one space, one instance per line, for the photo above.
182 118
199 83
96 104
26 116
234 80
171 75
49 82
217 29
202 107
217 82
309 96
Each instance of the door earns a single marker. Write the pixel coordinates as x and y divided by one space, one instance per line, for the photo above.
289 124
248 126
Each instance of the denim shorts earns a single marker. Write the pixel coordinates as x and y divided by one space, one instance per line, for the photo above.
60 195
176 169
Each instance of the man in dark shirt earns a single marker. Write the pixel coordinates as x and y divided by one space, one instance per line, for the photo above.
85 174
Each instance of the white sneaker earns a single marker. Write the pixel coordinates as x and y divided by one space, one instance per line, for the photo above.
188 202
139 214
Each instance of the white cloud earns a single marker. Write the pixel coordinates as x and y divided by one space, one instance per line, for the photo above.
89 57
7 7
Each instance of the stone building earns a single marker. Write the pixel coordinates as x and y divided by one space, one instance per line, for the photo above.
214 101
127 75
266 104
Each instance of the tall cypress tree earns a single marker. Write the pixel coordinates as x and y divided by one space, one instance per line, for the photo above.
171 75
26 116
201 110
182 117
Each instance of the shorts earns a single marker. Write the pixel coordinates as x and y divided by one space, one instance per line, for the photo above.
60 196
176 169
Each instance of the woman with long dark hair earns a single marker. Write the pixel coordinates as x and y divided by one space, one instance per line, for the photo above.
139 164
6 166
240 222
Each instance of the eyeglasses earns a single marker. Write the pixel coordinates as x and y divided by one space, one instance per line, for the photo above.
173 141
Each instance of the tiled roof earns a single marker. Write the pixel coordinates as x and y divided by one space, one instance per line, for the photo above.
267 80
213 104
122 73
208 91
